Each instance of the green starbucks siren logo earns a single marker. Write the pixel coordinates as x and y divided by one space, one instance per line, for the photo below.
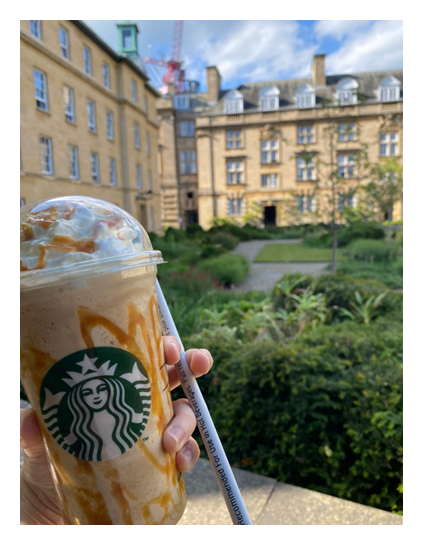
96 403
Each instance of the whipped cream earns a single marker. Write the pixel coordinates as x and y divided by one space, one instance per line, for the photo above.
61 232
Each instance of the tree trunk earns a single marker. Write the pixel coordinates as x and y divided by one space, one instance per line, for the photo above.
334 248
390 214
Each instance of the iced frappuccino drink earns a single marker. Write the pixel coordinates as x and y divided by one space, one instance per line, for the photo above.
92 362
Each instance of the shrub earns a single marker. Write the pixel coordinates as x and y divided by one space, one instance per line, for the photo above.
226 240
232 229
372 250
360 230
211 251
227 269
316 241
391 276
175 235
256 233
194 230
152 236
323 412
189 282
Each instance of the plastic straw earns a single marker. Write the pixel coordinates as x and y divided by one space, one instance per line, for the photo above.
214 448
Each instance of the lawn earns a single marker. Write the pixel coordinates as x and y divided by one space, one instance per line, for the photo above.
294 253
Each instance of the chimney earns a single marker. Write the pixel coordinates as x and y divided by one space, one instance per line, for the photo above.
171 88
213 84
318 70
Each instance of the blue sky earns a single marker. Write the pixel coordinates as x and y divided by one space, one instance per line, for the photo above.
247 51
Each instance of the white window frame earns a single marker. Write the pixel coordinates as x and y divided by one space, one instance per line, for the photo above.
147 142
183 163
46 145
306 172
347 96
231 207
346 166
73 162
269 181
35 28
91 114
64 45
390 142
311 203
306 100
110 125
345 199
95 167
181 102
139 176
112 171
106 74
234 106
134 91
347 132
269 103
41 96
234 172
186 129
192 160
232 140
150 182
300 207
269 151
88 69
70 105
137 139
305 134
389 94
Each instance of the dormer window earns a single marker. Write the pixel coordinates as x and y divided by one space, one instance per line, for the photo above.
181 102
269 98
305 96
234 102
346 91
389 89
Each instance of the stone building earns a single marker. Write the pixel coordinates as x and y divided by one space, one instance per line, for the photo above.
89 122
263 147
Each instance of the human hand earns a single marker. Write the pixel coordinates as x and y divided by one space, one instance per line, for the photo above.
39 501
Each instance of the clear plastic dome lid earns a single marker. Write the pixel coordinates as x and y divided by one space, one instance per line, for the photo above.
74 235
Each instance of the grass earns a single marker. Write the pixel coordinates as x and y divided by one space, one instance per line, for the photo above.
294 253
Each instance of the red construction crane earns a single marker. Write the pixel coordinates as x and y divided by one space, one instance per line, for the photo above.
174 71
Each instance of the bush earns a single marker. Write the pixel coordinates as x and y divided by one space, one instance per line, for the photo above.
175 235
194 231
232 229
228 241
227 269
391 276
372 250
211 251
317 241
189 282
360 230
256 233
323 412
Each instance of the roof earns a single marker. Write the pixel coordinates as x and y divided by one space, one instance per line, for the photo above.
368 82
112 53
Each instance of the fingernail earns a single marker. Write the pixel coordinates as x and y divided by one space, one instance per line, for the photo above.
188 454
177 433
206 353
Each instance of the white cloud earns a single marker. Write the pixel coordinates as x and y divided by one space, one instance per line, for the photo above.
377 48
337 29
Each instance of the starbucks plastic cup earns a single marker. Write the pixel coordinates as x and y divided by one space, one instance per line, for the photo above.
92 362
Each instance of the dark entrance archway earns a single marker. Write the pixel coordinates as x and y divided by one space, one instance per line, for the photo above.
269 215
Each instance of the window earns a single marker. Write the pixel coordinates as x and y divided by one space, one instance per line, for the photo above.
46 156
145 104
306 168
346 91
269 180
181 102
150 182
233 139
137 135
112 169
269 151
193 162
69 104
95 175
148 144
389 89
110 127
151 218
310 203
234 102
139 177
346 166
127 39
305 134
134 91
64 42
36 29
184 162
305 96
389 144
40 84
87 61
305 101
234 207
92 125
186 128
269 98
106 75
300 204
73 162
346 132
345 199
235 172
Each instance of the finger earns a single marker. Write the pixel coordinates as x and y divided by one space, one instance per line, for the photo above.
172 350
200 362
187 457
31 438
180 428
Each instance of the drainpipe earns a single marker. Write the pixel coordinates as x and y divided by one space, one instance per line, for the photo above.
212 171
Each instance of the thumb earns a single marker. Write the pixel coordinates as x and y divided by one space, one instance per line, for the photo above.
31 438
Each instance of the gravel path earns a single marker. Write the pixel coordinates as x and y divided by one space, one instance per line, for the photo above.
263 276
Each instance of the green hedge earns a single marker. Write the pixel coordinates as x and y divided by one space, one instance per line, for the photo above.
228 241
227 269
373 250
